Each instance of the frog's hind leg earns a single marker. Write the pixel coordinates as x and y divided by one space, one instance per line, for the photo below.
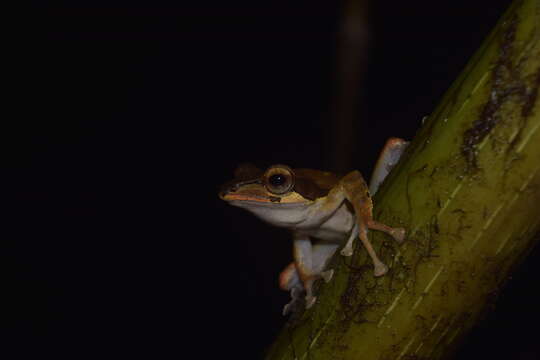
289 280
309 263
357 194
390 154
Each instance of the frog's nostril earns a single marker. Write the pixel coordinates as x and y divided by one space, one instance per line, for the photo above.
223 192
228 189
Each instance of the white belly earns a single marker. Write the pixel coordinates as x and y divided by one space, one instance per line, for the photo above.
336 228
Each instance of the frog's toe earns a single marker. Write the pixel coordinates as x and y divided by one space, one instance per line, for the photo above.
327 275
310 300
398 234
297 297
291 307
346 251
287 309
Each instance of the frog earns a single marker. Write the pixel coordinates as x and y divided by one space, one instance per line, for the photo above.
324 212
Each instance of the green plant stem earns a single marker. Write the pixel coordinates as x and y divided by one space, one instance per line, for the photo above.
467 191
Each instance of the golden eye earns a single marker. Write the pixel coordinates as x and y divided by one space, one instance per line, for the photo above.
279 179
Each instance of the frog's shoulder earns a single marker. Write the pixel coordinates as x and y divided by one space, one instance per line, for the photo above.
313 184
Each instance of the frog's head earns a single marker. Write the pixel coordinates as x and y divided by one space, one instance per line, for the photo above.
279 195
252 186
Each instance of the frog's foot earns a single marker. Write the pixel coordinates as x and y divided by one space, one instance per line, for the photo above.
398 234
347 250
295 304
379 268
327 275
288 308
298 290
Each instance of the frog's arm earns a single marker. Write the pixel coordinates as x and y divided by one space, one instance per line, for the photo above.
356 192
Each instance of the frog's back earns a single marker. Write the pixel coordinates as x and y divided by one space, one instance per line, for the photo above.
314 183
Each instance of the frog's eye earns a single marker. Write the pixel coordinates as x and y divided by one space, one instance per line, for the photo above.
279 179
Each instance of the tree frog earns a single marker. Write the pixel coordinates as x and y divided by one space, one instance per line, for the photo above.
323 211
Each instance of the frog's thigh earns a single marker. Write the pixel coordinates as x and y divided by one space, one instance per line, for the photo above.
302 250
311 259
390 154
320 254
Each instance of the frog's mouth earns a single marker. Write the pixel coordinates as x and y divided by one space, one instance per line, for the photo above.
254 204
254 193
251 198
261 201
235 187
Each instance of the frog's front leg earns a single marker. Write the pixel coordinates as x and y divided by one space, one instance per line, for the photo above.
357 193
309 263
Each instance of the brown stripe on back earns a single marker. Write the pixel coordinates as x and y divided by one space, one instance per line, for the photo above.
314 184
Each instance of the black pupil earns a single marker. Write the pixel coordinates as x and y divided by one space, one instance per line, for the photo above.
277 180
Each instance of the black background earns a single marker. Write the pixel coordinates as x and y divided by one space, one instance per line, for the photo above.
131 117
